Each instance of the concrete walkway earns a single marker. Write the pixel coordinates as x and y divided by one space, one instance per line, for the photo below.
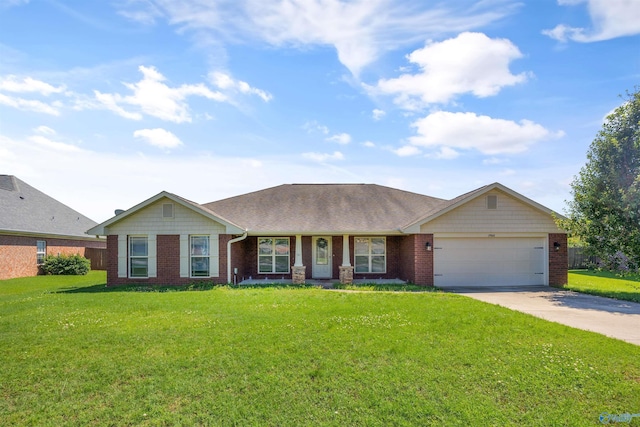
610 317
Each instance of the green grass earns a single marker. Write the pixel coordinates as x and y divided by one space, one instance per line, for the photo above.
605 284
73 352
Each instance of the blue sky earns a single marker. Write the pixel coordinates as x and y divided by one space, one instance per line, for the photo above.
105 104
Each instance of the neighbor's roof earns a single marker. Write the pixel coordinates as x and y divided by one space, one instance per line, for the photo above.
25 210
330 208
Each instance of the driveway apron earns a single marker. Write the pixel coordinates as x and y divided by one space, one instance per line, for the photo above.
610 317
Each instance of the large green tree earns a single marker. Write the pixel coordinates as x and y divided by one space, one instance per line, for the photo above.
605 210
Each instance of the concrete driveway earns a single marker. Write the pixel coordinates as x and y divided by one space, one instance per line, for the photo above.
613 318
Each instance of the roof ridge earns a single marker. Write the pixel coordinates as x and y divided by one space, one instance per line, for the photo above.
8 183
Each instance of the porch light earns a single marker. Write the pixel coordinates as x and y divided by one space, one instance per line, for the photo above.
428 246
556 246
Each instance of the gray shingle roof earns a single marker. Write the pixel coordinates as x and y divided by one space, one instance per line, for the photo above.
326 208
24 209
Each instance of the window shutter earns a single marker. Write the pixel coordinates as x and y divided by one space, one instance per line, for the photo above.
214 260
184 255
122 255
152 254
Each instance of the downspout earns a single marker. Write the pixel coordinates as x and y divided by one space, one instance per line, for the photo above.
237 239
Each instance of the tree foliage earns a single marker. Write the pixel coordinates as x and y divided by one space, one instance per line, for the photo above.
605 210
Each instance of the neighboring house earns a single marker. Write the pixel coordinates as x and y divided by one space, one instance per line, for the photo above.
34 225
490 236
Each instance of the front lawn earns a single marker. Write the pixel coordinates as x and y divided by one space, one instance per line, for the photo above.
72 355
605 284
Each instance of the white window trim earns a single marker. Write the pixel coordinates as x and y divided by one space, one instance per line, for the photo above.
370 255
130 257
39 252
191 256
273 256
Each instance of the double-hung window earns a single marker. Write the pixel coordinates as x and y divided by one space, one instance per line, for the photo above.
273 255
138 256
200 256
370 255
41 251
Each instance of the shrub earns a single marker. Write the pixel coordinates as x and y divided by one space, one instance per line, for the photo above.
66 265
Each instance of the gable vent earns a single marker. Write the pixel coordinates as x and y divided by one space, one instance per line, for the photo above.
167 210
492 202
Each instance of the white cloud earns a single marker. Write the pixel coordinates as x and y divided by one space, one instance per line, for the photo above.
340 138
12 83
483 133
610 18
98 197
155 98
378 114
445 153
494 161
323 157
44 130
158 137
368 144
469 63
313 126
57 146
30 105
360 30
225 82
407 150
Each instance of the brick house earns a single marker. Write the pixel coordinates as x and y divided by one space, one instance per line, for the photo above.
34 225
299 232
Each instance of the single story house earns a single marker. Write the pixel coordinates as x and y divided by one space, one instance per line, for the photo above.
34 225
345 232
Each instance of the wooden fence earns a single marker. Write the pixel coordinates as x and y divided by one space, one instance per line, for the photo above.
578 259
98 258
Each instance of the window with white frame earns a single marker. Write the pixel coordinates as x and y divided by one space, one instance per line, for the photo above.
370 255
138 256
41 251
200 256
273 255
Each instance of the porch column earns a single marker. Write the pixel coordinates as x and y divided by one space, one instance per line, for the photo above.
298 271
346 270
298 262
346 257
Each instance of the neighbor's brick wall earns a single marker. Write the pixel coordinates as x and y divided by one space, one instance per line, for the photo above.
558 260
18 253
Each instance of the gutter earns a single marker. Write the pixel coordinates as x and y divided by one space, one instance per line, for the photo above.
237 239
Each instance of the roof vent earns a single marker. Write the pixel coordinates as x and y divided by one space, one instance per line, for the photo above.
119 211
7 183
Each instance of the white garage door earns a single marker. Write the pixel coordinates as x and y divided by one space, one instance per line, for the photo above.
489 261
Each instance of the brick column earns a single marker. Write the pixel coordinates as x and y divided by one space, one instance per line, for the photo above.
346 274
558 260
298 274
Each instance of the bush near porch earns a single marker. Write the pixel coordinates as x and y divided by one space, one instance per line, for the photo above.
73 355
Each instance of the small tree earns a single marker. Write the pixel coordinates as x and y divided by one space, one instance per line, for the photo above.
605 210
66 265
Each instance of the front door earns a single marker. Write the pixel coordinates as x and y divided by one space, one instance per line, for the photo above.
321 257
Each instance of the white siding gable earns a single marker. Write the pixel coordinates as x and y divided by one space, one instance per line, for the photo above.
150 220
510 216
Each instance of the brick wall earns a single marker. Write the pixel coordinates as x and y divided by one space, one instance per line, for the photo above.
558 260
416 262
18 253
168 263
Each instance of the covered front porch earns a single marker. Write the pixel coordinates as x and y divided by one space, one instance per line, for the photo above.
322 258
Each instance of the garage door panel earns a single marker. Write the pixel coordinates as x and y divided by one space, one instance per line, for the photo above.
489 261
